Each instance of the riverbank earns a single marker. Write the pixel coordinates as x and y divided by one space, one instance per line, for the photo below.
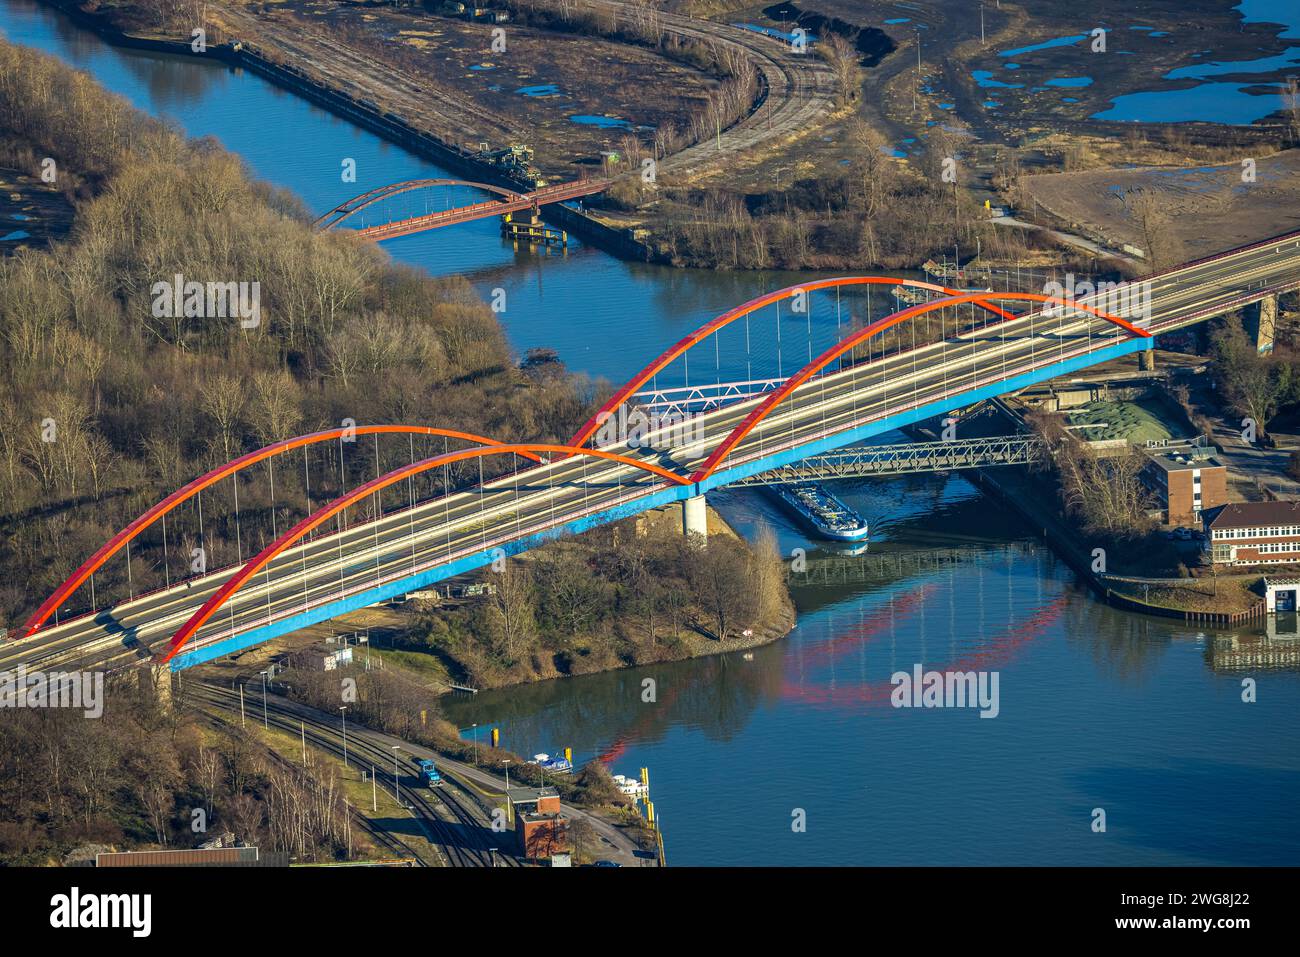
634 593
1224 602
278 69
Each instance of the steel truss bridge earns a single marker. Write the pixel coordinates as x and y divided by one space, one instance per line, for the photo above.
865 461
853 390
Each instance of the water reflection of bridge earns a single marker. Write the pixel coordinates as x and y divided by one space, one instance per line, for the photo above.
893 565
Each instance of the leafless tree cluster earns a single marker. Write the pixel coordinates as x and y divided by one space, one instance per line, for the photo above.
108 403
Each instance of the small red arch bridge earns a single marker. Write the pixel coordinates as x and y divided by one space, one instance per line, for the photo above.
506 201
846 394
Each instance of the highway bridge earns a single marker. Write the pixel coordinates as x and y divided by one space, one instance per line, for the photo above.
847 394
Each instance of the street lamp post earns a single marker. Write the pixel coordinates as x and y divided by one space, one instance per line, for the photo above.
475 744
265 725
344 712
396 786
510 808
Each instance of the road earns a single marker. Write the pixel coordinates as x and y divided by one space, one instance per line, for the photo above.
541 499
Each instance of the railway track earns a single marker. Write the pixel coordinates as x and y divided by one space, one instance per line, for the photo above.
381 837
443 812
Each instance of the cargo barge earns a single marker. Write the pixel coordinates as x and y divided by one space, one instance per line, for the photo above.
825 514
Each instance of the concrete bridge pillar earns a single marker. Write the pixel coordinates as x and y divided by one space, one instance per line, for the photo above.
156 682
1147 360
695 518
1261 318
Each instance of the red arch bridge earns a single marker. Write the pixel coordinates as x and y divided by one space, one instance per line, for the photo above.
404 224
915 363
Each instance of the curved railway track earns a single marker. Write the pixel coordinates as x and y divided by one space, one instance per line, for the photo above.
457 817
380 836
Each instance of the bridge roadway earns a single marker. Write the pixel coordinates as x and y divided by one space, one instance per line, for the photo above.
407 549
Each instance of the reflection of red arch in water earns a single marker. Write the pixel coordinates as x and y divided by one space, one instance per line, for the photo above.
999 651
825 652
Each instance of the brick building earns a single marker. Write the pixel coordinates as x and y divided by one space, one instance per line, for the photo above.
1254 533
1185 481
539 826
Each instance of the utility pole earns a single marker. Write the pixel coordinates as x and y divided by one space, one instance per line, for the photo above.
982 23
241 706
344 712
265 725
397 793
374 789
510 808
302 728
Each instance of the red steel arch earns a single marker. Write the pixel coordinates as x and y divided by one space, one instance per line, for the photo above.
323 514
778 395
358 203
118 541
739 312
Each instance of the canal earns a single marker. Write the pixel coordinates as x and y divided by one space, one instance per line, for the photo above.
1141 718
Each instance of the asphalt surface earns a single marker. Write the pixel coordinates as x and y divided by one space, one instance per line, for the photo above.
540 498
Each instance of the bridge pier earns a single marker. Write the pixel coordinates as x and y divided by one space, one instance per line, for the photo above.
1147 360
695 518
156 682
1261 318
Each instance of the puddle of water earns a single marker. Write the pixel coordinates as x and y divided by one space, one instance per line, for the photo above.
1046 45
900 20
1071 81
15 235
483 66
544 89
1285 60
985 79
991 104
1069 99
946 106
605 122
1213 102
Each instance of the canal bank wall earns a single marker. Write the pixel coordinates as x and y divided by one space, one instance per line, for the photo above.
389 126
1022 494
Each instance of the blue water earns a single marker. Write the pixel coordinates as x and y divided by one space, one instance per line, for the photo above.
1282 61
1045 45
1070 81
1213 102
541 90
1098 709
1284 12
605 122
985 79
